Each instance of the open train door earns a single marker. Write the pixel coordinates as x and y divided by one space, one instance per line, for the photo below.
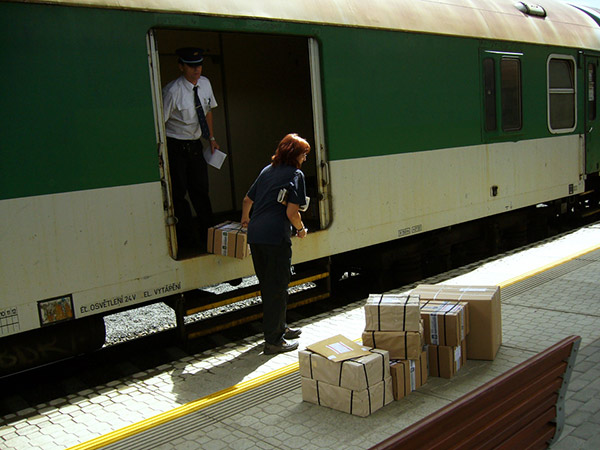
322 166
266 85
161 139
592 122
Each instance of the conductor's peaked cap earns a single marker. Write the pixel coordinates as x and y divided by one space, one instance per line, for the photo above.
190 55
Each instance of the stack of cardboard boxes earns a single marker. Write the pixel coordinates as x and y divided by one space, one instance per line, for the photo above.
393 323
484 317
430 331
343 375
446 325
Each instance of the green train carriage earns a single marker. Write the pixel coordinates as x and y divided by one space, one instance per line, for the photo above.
422 115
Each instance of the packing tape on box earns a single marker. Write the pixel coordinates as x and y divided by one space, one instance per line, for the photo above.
457 357
364 366
404 306
445 308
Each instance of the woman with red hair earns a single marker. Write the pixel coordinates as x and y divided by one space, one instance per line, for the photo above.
269 235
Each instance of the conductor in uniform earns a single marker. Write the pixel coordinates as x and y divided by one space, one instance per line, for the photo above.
188 102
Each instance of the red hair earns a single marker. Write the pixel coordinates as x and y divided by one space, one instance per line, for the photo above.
289 149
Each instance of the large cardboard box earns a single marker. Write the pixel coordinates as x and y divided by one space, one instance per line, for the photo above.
228 239
339 348
445 323
408 375
400 344
392 312
485 315
445 361
356 374
359 403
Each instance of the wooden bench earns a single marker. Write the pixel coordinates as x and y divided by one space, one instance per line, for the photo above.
522 408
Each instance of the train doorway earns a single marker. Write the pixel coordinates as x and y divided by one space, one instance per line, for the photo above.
592 121
266 86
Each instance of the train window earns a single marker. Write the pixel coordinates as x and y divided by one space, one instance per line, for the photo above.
510 71
502 93
489 82
562 87
591 91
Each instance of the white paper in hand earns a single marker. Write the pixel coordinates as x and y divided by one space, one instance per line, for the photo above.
214 159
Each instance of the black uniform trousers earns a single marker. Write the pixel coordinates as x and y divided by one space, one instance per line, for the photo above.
189 174
273 267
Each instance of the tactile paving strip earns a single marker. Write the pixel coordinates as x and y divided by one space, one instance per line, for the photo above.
209 415
549 275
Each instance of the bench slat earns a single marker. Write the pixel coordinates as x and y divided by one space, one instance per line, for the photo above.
501 430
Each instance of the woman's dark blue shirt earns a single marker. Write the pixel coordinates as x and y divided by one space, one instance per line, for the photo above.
269 223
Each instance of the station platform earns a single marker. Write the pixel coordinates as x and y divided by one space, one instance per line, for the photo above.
234 397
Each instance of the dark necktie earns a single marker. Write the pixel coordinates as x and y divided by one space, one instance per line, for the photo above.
201 116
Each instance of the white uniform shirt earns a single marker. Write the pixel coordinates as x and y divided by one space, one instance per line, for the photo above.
179 110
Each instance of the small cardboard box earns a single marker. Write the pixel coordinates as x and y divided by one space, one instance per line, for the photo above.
408 375
392 312
359 403
400 344
445 323
339 348
485 314
228 239
356 374
445 361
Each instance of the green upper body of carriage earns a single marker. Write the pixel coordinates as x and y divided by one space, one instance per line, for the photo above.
421 115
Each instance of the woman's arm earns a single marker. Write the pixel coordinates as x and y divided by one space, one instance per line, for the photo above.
246 206
293 214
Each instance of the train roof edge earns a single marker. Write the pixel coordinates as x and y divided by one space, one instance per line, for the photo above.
561 24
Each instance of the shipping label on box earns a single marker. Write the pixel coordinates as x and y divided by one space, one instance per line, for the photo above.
355 374
445 361
445 322
392 312
400 344
408 375
339 348
359 403
228 239
485 314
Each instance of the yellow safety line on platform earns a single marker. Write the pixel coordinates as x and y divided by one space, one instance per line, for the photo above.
180 411
552 265
196 405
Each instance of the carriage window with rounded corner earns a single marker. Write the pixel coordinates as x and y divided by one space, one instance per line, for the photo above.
562 112
510 76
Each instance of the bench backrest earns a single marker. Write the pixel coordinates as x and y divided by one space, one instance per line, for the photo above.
521 408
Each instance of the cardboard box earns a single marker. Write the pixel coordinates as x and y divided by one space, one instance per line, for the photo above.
356 374
339 348
408 375
485 315
359 403
228 239
392 312
445 361
400 344
445 323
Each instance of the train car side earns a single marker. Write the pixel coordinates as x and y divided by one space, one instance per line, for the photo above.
405 140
